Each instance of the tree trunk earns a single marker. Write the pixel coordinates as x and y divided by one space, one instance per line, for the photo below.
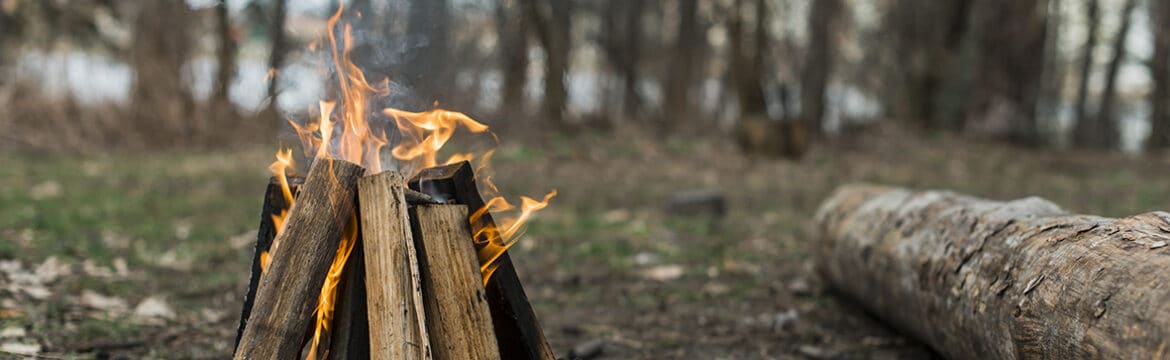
551 19
225 57
1082 133
680 79
818 63
512 30
1100 131
1009 66
979 279
631 100
161 100
428 71
276 55
1160 72
927 40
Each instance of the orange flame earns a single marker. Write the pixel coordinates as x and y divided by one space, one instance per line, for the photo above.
341 130
280 168
492 241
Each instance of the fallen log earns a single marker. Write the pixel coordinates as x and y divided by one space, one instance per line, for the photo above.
518 332
394 289
457 315
979 279
289 289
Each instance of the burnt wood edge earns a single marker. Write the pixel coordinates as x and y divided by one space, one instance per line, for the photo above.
518 331
273 203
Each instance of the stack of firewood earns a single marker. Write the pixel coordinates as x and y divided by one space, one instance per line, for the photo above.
412 286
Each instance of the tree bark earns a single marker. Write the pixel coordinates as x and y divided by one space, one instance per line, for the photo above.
1081 133
981 279
290 287
680 80
276 54
512 30
818 63
225 57
1010 61
1101 131
457 314
428 69
552 22
1160 72
162 103
394 287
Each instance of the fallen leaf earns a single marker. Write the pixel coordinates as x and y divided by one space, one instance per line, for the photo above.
18 348
663 272
153 309
96 301
45 190
12 332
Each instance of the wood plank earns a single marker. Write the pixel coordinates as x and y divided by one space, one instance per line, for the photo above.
393 283
274 203
979 279
288 291
350 334
457 313
518 331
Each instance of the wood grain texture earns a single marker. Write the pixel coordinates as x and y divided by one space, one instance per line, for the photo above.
518 331
288 291
457 312
393 283
979 279
274 203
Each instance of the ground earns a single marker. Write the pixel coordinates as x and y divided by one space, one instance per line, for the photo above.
147 255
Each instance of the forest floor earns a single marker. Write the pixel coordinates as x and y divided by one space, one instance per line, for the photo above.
148 255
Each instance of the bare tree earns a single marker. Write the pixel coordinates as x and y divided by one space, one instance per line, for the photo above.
622 41
512 30
1106 123
1160 71
225 57
276 55
682 69
552 22
1093 17
161 99
927 36
428 67
818 63
1009 36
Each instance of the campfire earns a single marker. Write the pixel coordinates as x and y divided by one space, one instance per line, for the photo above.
386 255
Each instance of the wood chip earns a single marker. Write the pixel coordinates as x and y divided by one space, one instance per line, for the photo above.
1033 284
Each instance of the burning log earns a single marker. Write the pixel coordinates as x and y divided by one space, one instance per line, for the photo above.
350 337
394 290
518 332
274 204
288 290
982 279
457 314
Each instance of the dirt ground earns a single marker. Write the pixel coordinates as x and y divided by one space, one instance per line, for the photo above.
146 256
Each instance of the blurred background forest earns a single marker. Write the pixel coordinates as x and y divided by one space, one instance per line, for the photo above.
691 142
87 75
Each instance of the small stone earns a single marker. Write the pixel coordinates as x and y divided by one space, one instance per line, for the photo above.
1157 244
12 332
153 309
